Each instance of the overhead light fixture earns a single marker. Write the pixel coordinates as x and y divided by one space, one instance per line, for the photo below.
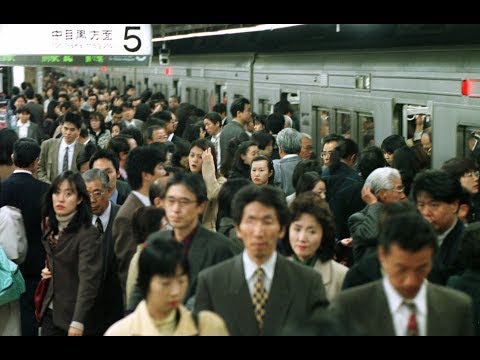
263 27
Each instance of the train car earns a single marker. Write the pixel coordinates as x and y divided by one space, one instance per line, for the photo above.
363 94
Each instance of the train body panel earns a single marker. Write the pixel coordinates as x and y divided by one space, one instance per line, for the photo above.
363 94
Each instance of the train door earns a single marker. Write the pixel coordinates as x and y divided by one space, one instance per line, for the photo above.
145 81
175 87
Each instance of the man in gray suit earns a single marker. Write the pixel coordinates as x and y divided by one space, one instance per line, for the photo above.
289 143
241 111
403 302
291 293
58 155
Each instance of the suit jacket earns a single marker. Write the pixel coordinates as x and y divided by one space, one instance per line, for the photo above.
26 193
123 242
366 307
233 130
284 171
208 248
34 131
297 293
124 190
76 266
48 164
108 306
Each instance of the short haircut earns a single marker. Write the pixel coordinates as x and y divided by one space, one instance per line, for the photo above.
25 152
312 204
227 192
214 117
238 105
105 154
382 179
267 195
290 140
275 122
85 154
96 174
458 166
192 181
304 166
74 119
7 139
438 184
370 158
263 139
142 159
307 182
410 231
160 257
220 108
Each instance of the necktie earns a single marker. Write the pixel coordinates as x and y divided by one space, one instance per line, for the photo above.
65 160
412 326
260 296
99 225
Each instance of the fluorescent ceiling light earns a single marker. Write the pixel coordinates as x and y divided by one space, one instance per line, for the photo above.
262 27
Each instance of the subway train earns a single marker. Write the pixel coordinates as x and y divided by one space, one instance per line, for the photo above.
363 94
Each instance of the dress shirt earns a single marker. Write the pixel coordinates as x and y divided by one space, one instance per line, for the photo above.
61 154
250 266
104 217
22 129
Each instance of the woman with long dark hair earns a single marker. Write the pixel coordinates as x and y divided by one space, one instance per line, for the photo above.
74 257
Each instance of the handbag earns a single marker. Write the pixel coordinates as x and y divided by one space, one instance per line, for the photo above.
39 296
12 284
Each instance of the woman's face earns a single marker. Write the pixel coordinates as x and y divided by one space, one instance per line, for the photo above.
252 151
321 189
259 172
305 235
166 293
95 124
65 199
195 160
115 131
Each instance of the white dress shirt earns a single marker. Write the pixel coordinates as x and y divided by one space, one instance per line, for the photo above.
250 266
61 154
104 217
23 129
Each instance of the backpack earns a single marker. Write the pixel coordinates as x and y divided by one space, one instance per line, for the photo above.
13 238
12 284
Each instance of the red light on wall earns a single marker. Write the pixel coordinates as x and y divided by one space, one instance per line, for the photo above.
168 71
103 69
471 87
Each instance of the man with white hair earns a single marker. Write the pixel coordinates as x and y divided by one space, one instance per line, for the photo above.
289 143
382 186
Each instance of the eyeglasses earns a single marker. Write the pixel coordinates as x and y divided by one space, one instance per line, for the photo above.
472 174
399 190
326 153
97 194
170 201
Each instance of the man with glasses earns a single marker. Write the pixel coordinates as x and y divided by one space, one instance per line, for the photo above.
382 186
108 306
184 202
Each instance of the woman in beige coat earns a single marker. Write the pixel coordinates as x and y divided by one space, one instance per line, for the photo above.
163 281
311 240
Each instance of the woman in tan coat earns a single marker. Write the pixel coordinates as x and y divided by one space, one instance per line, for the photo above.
163 281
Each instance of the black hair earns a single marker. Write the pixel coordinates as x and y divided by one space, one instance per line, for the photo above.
145 221
160 257
439 184
470 247
7 140
192 181
25 152
105 154
83 217
142 159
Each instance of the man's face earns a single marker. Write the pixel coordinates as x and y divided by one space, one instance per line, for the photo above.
307 149
70 132
441 215
99 196
327 152
259 230
181 207
107 166
406 270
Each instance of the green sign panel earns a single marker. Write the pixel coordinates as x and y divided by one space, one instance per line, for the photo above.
74 60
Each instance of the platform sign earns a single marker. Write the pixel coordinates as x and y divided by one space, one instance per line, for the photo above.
76 44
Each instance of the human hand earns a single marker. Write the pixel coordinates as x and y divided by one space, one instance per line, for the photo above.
46 273
74 331
207 155
367 196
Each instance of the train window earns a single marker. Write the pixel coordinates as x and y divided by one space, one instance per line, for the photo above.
155 87
204 104
468 140
321 128
344 123
264 106
367 130
416 120
188 95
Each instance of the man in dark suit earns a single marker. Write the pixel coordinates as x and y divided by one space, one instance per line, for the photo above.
184 202
24 192
437 196
403 302
108 161
144 166
233 288
108 306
